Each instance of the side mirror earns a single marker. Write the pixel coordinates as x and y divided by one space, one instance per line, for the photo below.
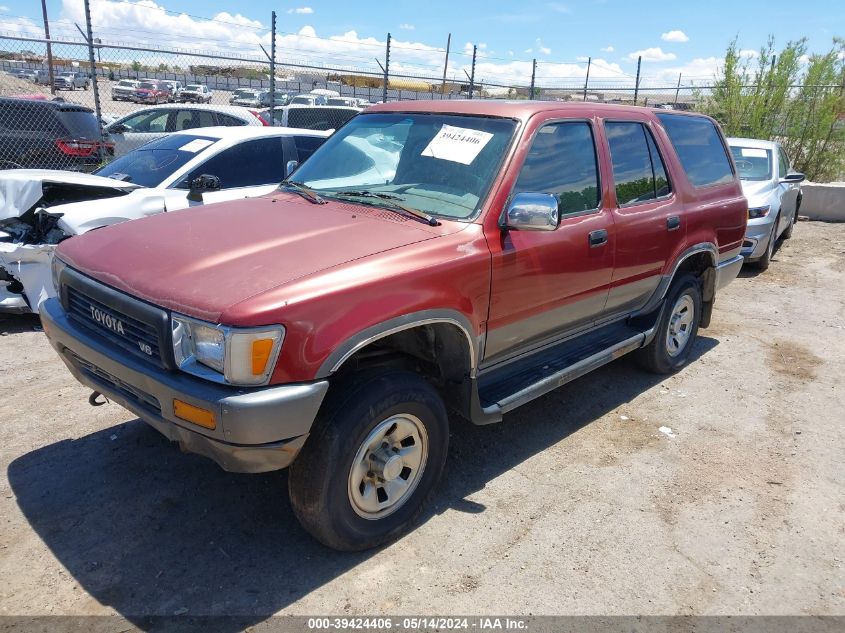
532 212
117 128
201 184
793 177
290 167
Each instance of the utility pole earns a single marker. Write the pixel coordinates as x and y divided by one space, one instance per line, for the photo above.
386 68
677 90
472 76
533 75
49 46
637 81
587 80
273 69
94 82
446 64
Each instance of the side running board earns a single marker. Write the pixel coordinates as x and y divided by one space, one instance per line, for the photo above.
568 374
505 388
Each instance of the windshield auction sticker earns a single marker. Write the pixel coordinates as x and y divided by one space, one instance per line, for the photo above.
458 144
196 145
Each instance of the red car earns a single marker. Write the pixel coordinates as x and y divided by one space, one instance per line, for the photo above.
463 256
154 92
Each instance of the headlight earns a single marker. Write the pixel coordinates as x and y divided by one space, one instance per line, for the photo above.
238 356
56 267
758 212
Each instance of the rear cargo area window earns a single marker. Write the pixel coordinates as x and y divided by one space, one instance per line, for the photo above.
699 147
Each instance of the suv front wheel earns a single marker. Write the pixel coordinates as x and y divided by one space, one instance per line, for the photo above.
676 328
373 457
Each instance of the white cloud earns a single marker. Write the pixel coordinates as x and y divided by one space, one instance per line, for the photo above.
558 7
144 23
302 10
582 58
674 36
407 27
701 71
654 54
545 50
4 8
804 60
608 49
748 53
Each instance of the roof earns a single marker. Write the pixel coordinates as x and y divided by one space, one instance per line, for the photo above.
511 109
240 111
242 132
58 105
751 142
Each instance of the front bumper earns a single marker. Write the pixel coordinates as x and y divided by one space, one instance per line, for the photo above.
257 430
757 238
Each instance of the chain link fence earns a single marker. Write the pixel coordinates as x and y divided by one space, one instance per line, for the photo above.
51 121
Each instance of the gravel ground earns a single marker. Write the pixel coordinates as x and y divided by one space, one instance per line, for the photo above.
576 504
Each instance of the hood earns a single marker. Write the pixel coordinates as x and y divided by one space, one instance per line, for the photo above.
757 191
204 260
23 189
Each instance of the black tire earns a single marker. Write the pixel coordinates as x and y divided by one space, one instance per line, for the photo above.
319 479
765 261
787 232
655 357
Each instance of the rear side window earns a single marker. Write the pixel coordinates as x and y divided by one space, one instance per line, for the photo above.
637 167
229 121
699 147
79 123
249 164
25 117
562 161
307 145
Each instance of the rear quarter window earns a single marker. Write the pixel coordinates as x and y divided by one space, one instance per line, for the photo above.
699 147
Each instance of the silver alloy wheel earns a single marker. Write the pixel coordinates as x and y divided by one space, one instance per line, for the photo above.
680 325
388 466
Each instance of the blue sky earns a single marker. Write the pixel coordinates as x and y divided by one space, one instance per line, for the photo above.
674 38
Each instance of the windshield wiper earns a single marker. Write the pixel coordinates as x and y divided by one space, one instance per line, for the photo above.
390 206
306 192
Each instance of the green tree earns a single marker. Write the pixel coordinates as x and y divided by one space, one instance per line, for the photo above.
786 96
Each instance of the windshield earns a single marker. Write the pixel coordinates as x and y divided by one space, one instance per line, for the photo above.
440 164
147 86
126 84
752 163
193 87
155 162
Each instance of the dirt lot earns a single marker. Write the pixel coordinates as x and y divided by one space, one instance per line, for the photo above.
576 504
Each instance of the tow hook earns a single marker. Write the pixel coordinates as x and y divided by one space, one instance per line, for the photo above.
93 399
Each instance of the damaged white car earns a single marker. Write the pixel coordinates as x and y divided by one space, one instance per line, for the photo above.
40 208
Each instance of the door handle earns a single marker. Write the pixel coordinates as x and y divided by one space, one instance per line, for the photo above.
673 222
598 238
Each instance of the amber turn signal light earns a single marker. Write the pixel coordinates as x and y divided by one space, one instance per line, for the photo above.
194 415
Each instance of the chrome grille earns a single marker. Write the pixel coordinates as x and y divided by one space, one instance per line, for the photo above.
137 336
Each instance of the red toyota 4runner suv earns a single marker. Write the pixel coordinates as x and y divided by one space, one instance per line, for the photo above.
463 255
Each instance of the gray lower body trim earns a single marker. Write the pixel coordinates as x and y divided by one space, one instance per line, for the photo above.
727 271
257 429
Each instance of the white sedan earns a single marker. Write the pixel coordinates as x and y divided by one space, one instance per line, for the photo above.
40 208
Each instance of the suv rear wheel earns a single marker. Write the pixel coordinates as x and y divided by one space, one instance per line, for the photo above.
676 329
373 457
